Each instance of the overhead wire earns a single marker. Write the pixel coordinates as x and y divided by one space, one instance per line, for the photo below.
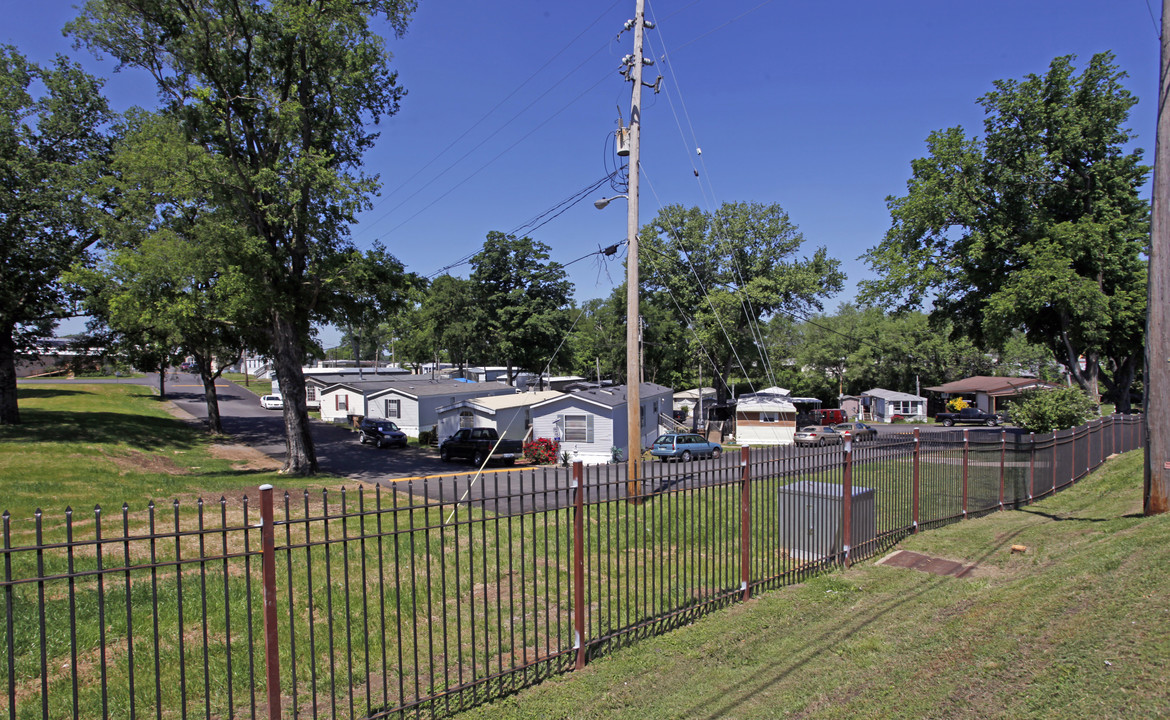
483 118
533 224
743 297
503 152
711 200
701 285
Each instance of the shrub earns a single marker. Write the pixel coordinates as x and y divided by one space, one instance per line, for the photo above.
958 404
427 437
1046 411
541 451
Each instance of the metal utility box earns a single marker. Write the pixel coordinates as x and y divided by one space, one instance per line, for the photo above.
811 518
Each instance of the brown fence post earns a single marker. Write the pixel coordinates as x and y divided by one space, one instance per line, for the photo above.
1002 461
268 576
745 525
966 452
579 563
914 489
1053 462
847 499
1031 466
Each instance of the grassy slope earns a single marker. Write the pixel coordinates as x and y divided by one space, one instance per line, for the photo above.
81 445
1074 627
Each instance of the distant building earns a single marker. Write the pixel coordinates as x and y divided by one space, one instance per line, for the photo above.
882 405
765 418
509 415
590 423
990 394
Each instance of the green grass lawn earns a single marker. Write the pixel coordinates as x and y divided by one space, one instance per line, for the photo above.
81 445
1073 627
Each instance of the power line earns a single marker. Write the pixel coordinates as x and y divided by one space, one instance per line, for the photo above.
503 152
560 209
386 198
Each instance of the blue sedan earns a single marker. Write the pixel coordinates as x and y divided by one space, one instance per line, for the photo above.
684 446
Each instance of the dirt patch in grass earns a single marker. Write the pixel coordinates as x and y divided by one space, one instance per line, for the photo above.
135 461
244 457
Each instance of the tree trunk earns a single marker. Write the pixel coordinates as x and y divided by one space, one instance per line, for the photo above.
9 411
214 424
1121 382
300 457
1087 378
162 378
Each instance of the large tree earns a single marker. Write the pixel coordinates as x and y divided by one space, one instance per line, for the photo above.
164 285
1036 226
53 149
447 319
282 96
519 294
722 274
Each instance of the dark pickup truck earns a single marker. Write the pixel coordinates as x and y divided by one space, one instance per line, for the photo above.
968 415
476 444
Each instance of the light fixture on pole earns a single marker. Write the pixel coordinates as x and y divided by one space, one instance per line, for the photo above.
603 202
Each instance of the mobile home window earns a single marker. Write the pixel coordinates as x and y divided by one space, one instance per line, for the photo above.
312 393
342 401
394 410
577 429
466 419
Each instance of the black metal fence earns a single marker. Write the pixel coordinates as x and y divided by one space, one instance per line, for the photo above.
427 597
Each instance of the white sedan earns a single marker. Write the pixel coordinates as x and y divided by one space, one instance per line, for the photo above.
272 402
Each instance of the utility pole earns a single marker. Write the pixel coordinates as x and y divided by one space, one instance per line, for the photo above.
1157 378
633 367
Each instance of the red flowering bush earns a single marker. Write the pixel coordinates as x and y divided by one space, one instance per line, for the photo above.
541 451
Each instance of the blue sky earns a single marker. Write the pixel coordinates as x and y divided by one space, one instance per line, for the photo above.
817 106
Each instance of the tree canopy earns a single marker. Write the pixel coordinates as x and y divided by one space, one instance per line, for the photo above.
282 97
721 274
519 294
54 145
1037 226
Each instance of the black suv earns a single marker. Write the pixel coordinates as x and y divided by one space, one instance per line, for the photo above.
381 433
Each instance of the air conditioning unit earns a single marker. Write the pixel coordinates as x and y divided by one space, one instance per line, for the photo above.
811 519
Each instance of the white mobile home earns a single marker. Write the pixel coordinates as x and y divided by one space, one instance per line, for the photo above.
317 379
589 424
510 415
765 419
885 404
414 403
340 400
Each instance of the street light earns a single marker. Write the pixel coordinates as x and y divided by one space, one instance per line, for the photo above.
600 204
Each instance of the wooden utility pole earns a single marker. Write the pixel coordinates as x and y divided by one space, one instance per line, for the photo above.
633 367
1157 378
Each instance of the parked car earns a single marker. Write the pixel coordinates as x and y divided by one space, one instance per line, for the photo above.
857 430
272 402
684 446
968 415
817 435
381 433
476 444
